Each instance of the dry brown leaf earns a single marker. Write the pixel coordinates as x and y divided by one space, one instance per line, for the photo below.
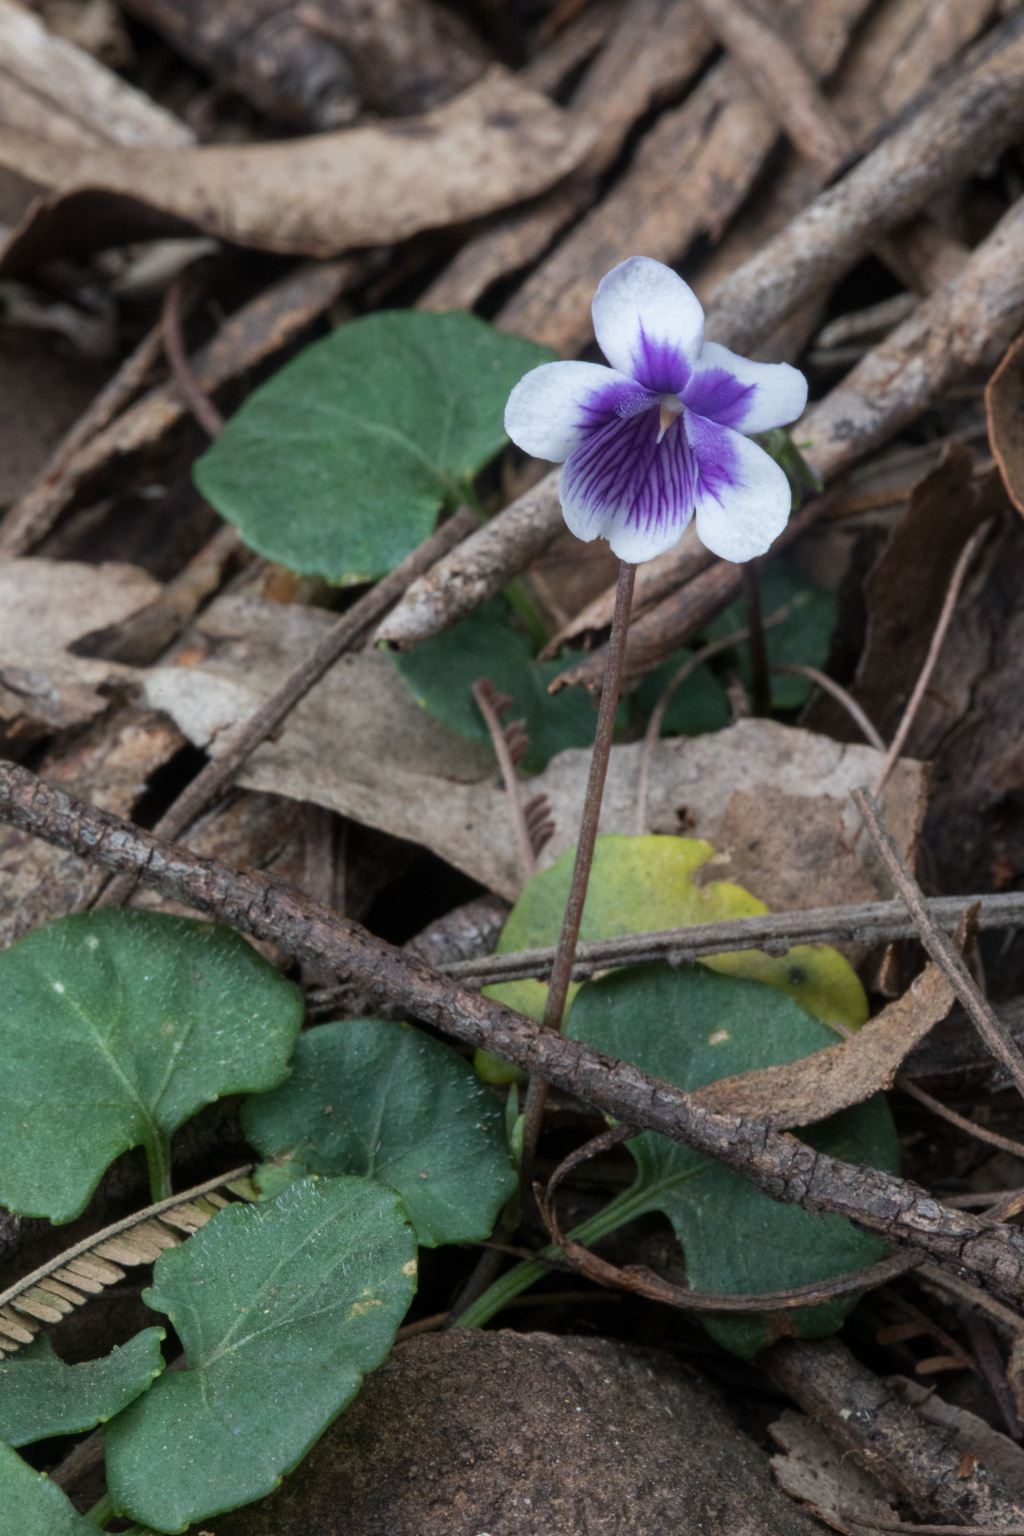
51 88
810 1471
359 744
1004 406
496 144
45 605
806 1091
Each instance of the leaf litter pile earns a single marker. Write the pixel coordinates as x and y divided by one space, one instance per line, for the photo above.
346 1183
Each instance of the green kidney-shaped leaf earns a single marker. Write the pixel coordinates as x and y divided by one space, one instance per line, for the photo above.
690 1028
700 703
441 674
645 883
385 1101
115 1027
32 1505
282 1308
40 1395
338 465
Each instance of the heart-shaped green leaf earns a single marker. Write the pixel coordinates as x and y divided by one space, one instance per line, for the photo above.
700 703
33 1505
339 464
645 883
282 1309
115 1027
690 1028
385 1101
40 1395
441 674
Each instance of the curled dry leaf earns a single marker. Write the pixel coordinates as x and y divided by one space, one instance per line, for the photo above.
496 144
51 88
1004 406
806 1091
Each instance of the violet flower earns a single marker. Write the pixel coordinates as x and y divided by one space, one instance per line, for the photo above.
659 436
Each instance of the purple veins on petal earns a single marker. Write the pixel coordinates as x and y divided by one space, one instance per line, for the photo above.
614 401
626 485
659 365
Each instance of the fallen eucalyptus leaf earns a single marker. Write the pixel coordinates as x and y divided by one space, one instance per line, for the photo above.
691 1028
772 799
115 1027
1005 423
41 1396
803 1092
339 464
495 144
33 1505
282 1308
386 1102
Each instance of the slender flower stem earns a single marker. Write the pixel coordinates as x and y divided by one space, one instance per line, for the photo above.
561 973
762 690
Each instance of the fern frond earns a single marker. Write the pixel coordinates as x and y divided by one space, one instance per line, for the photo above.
53 1290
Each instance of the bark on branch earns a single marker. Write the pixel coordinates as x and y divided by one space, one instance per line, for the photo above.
775 1163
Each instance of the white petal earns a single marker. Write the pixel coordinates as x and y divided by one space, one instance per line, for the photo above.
556 407
649 324
743 497
737 392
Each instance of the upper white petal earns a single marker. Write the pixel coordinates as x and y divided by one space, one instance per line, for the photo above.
646 319
552 410
743 497
768 394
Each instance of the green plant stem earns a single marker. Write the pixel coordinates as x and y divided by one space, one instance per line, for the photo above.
561 973
102 1511
762 683
158 1160
631 1203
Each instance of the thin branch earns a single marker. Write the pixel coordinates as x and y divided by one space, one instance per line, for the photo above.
483 693
565 954
963 565
775 1163
987 1354
201 406
343 636
979 1132
31 517
989 1026
775 933
839 693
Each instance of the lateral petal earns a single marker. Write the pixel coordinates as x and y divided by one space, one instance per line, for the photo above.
556 407
743 498
649 324
736 392
624 485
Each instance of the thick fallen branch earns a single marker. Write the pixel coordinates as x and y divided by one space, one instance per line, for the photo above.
776 1164
976 116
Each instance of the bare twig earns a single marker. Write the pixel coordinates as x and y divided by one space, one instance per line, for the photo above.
986 1352
963 565
979 1132
991 1029
201 406
839 693
869 923
31 518
776 1164
973 1295
561 970
788 88
487 702
345 634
